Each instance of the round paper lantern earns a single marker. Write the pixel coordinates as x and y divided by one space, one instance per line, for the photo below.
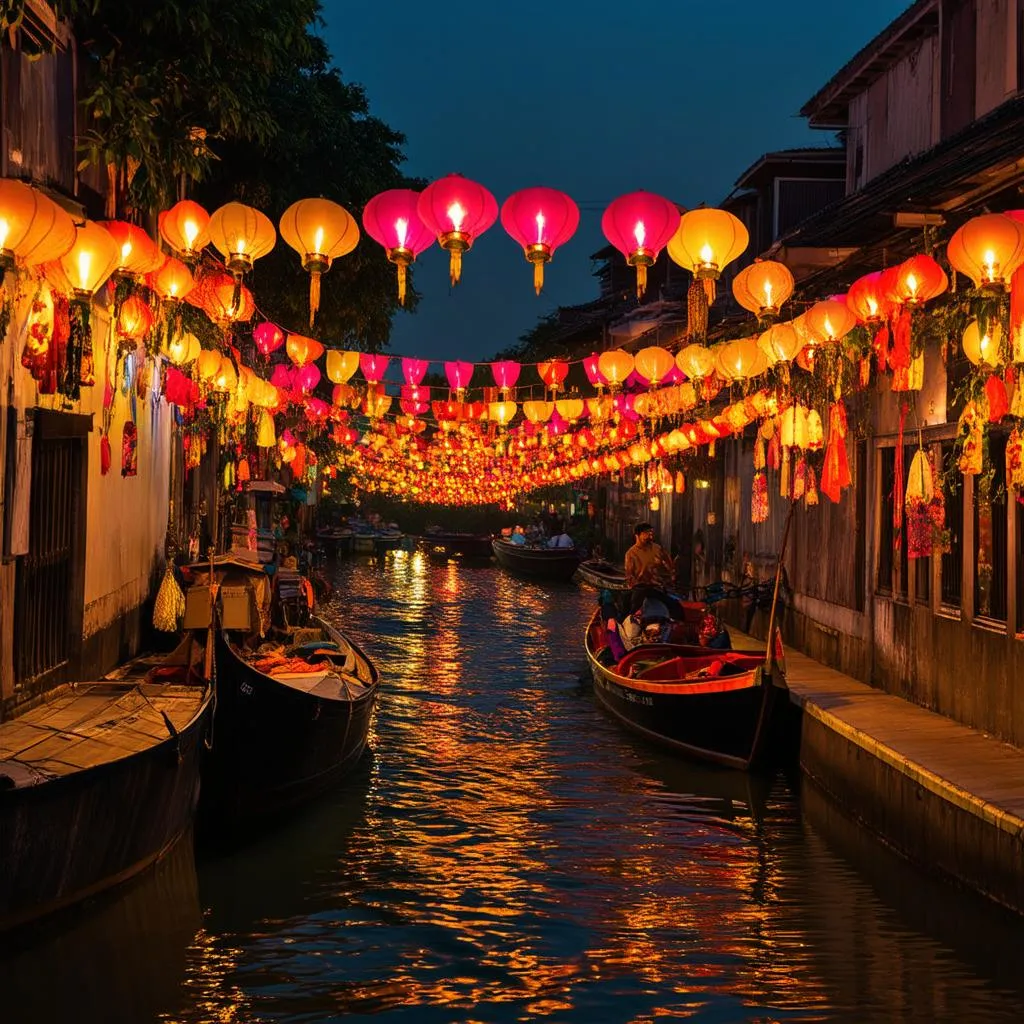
552 372
918 279
592 368
793 427
639 225
222 298
829 321
241 234
984 348
570 409
988 249
185 227
20 205
540 220
319 231
458 211
226 377
91 260
50 235
506 373
374 366
706 240
459 375
173 281
502 413
599 409
781 343
654 364
134 319
208 364
615 366
138 253
869 298
737 360
538 412
391 219
763 287
269 338
341 365
696 361
302 351
183 349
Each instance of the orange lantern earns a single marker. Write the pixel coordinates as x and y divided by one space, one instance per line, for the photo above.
134 319
780 343
303 351
736 360
869 298
173 281
138 252
538 412
696 361
988 249
185 228
829 321
919 279
654 364
50 235
20 208
984 347
615 367
763 287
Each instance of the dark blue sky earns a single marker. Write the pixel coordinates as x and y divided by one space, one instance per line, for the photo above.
595 98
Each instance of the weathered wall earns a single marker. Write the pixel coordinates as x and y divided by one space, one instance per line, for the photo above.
996 65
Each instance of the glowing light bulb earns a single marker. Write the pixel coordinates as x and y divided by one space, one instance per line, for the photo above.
456 214
191 229
318 241
540 228
126 251
401 231
84 263
990 265
912 284
768 293
707 254
640 234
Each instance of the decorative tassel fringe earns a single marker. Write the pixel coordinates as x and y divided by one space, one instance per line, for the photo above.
401 283
169 606
709 290
236 295
538 277
455 267
697 311
314 295
641 280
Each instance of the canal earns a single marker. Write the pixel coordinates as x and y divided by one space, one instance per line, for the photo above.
509 854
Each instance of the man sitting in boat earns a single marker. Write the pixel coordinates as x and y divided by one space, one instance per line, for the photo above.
518 536
648 568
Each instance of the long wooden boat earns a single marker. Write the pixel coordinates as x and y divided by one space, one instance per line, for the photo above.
464 546
97 782
602 575
717 706
287 727
539 563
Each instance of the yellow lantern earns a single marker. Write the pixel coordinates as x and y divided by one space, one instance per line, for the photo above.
209 364
599 409
781 343
173 281
739 359
793 427
570 409
319 231
241 234
51 234
226 377
763 287
20 205
984 348
829 321
988 249
696 361
654 363
91 260
615 366
538 412
706 241
183 349
341 365
502 413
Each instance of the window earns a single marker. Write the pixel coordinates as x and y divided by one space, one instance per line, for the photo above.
886 533
990 533
952 560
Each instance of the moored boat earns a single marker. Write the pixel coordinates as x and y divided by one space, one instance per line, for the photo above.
464 546
536 562
714 705
602 575
98 781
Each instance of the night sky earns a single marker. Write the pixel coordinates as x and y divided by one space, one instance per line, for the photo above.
596 99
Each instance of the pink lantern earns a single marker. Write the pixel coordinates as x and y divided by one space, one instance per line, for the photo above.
374 366
506 373
458 211
306 378
268 337
458 375
390 218
540 220
593 371
414 370
283 377
639 225
316 410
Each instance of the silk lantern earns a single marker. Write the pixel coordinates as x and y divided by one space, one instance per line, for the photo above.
706 240
302 351
984 347
696 361
639 225
540 220
458 211
341 365
319 231
391 218
829 321
185 227
988 249
869 299
138 253
654 364
763 287
781 343
172 282
552 372
269 338
506 373
615 366
917 280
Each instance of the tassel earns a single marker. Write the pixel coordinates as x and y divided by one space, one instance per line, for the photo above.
455 266
998 403
784 475
696 312
105 455
401 283
800 478
314 295
899 358
759 498
236 295
169 606
709 290
538 277
811 493
641 280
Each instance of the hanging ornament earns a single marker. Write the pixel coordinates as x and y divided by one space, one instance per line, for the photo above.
391 219
185 228
969 429
458 211
540 220
169 606
704 242
811 489
639 225
763 287
998 403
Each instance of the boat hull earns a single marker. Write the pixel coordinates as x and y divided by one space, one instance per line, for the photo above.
275 747
601 575
466 546
70 838
536 563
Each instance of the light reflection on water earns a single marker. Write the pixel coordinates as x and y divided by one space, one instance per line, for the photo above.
509 854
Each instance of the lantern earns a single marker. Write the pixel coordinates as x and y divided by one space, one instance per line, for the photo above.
654 364
763 287
829 321
570 409
869 299
458 211
185 228
222 298
615 366
241 234
502 413
301 350
306 378
599 409
138 253
736 360
24 214
172 282
226 378
552 372
592 368
988 249
208 364
319 231
696 361
390 218
793 427
780 343
269 338
414 370
134 319
91 260
538 412
919 279
459 375
341 365
183 349
639 225
265 436
540 220
984 347
506 373
373 366
706 240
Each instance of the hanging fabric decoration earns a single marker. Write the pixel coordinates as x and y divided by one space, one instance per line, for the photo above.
129 450
169 606
800 478
774 452
920 491
835 473
863 372
1015 383
899 357
998 403
759 498
811 491
881 347
784 489
680 485
1015 463
105 455
969 431
697 312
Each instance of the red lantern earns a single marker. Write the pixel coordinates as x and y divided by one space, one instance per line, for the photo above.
593 370
540 220
553 372
268 337
215 294
639 225
917 280
868 299
390 218
458 211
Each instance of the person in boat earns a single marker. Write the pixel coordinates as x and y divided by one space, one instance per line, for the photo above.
518 536
648 568
560 539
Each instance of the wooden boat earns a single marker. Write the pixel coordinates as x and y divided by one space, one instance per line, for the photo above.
284 732
97 782
464 546
717 706
539 563
601 575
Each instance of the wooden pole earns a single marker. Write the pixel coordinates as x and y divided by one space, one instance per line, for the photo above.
778 574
